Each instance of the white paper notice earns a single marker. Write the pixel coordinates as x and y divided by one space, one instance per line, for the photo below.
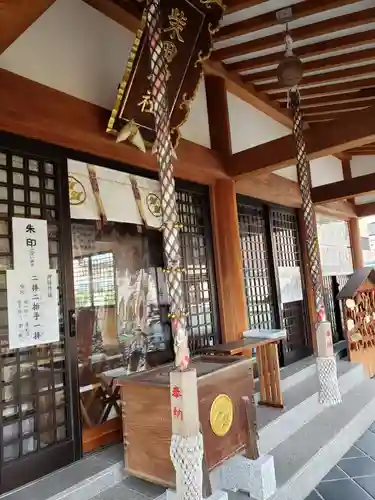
290 284
30 244
33 314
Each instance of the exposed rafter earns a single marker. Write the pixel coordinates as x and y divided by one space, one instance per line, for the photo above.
325 139
269 19
334 89
16 16
322 78
302 33
329 62
315 49
366 95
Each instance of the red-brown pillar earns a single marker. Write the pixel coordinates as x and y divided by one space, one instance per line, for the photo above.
227 244
355 243
228 260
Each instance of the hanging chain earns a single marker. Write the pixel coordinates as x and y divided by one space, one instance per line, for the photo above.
309 221
164 152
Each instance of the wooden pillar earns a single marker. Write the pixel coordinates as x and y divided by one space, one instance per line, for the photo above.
355 243
309 289
226 236
228 260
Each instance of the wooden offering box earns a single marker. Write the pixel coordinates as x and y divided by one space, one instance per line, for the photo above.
358 301
147 415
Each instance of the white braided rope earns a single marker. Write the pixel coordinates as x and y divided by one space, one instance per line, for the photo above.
329 391
187 454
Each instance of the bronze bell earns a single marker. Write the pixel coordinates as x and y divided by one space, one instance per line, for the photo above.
290 71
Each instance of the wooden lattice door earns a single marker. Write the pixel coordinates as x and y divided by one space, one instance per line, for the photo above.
39 418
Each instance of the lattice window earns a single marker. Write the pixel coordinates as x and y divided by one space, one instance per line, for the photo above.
32 380
255 258
284 226
94 280
193 212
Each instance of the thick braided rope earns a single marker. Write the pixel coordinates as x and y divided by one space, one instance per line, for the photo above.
186 455
164 152
304 179
329 393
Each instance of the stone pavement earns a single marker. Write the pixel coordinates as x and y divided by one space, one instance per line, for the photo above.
353 478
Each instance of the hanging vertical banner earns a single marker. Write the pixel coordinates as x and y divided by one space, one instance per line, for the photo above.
33 311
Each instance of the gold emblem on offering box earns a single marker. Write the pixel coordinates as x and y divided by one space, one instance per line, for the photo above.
77 192
154 204
221 415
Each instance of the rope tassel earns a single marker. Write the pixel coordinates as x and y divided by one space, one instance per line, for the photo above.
326 365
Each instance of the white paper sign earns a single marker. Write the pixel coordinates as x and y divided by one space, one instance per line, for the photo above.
30 244
290 284
33 314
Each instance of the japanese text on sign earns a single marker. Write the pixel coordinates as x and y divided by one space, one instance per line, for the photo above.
177 394
33 311
30 243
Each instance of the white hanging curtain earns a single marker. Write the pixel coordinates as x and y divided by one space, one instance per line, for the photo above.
116 193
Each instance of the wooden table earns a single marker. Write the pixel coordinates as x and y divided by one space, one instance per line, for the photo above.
267 361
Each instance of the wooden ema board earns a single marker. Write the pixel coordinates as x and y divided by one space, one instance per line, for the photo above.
360 327
147 415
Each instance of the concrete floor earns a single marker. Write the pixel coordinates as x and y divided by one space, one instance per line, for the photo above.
353 478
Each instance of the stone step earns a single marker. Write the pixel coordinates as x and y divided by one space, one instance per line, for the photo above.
293 374
301 406
308 455
82 480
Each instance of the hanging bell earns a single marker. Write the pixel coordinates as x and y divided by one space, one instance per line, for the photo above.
290 71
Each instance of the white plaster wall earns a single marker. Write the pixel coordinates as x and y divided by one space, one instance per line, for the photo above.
323 171
77 50
250 127
362 165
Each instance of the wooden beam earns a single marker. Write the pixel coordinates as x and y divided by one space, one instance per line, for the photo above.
323 78
272 188
331 115
332 89
351 97
325 63
236 5
345 189
276 189
365 210
248 94
39 112
351 20
218 116
346 169
228 261
263 21
129 18
342 210
336 107
325 139
315 49
361 152
336 113
16 16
